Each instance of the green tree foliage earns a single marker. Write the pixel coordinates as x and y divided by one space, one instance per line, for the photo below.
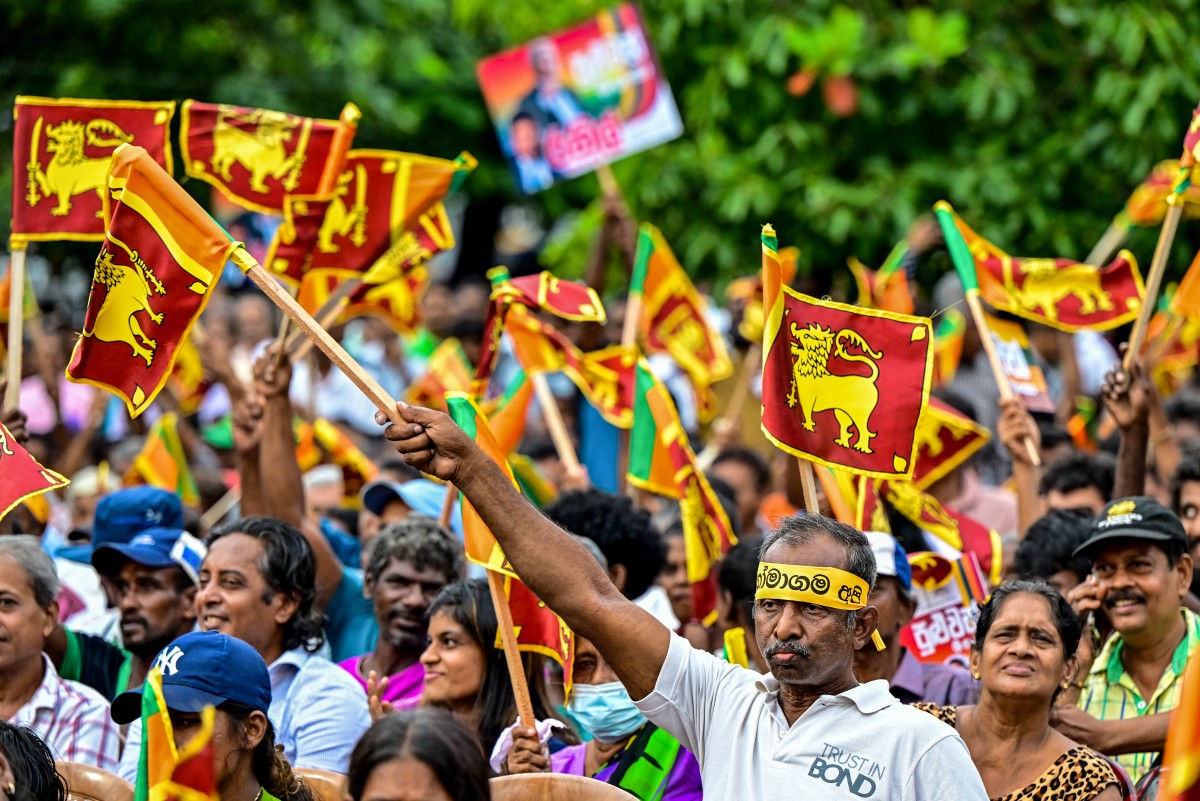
1034 118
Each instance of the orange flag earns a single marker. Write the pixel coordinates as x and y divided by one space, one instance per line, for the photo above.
1181 757
159 261
254 156
65 148
1186 300
674 318
538 629
446 371
21 477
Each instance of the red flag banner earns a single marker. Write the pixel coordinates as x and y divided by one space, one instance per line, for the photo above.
946 438
254 156
370 226
885 288
159 261
447 370
21 476
825 365
958 531
1065 294
1186 300
538 629
65 147
1148 204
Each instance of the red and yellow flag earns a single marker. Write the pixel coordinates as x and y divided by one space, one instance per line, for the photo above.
65 147
538 629
397 303
1147 205
674 318
164 772
357 469
946 438
1186 300
163 463
384 214
947 345
506 413
159 261
869 513
960 532
1181 757
21 477
1065 294
661 461
187 381
887 287
254 156
842 386
447 370
748 290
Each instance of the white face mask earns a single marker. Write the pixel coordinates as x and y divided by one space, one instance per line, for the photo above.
606 710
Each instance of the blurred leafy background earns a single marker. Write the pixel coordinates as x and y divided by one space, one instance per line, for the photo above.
840 122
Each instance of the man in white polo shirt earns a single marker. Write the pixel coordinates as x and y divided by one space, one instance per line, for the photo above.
809 729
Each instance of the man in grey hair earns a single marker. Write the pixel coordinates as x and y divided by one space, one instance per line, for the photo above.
72 719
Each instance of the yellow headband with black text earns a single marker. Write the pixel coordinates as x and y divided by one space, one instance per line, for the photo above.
822 586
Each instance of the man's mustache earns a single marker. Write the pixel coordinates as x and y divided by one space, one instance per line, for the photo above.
786 647
1122 595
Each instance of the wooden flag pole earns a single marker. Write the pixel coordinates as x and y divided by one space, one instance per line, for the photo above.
608 181
809 483
448 502
1154 281
16 308
556 424
737 399
512 656
993 357
299 346
320 337
219 509
1109 242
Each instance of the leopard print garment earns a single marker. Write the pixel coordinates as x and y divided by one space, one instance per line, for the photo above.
1078 775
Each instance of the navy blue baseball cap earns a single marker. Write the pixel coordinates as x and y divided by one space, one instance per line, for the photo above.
154 547
126 513
203 668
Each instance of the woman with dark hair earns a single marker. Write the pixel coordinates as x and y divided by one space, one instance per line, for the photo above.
209 669
422 753
464 671
1024 655
27 771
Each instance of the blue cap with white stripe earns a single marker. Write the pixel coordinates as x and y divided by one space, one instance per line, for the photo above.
154 547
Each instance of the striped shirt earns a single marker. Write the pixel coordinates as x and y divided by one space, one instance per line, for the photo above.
73 720
318 710
1109 693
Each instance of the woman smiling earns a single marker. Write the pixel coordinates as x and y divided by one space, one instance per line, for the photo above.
1023 656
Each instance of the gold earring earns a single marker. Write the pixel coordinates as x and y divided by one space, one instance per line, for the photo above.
975 676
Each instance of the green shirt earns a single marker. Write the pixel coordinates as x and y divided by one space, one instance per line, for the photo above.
1110 694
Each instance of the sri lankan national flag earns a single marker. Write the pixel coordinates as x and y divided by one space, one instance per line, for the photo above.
946 438
62 151
1181 757
481 546
842 386
447 370
1186 300
165 773
396 302
542 292
338 449
383 216
1062 293
947 345
254 156
749 291
1147 205
21 477
661 461
887 287
960 532
506 413
674 319
159 261
538 629
605 377
163 463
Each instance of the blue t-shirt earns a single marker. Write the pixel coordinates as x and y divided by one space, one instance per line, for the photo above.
350 627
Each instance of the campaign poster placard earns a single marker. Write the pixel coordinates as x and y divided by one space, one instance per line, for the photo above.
1016 356
568 102
948 594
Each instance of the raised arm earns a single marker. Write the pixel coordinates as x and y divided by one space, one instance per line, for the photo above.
1126 396
551 562
1014 427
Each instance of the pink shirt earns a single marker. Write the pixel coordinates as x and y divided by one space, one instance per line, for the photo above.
403 689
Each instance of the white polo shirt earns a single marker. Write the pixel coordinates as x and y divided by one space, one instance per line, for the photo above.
862 743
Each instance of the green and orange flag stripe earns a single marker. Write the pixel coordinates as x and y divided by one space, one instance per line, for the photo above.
163 463
164 772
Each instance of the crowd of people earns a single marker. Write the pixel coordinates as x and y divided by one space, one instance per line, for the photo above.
333 622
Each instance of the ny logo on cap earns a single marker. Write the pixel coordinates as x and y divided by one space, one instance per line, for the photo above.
169 661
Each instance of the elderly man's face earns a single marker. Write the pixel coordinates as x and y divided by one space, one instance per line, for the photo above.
24 625
808 645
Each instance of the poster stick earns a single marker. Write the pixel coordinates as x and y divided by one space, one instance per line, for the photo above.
16 307
448 505
608 181
1154 281
993 357
328 345
556 424
1109 242
809 482
512 656
219 509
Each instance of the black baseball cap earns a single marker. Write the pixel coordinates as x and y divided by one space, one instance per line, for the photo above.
1138 518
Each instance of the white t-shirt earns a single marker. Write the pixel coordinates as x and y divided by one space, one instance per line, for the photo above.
860 744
